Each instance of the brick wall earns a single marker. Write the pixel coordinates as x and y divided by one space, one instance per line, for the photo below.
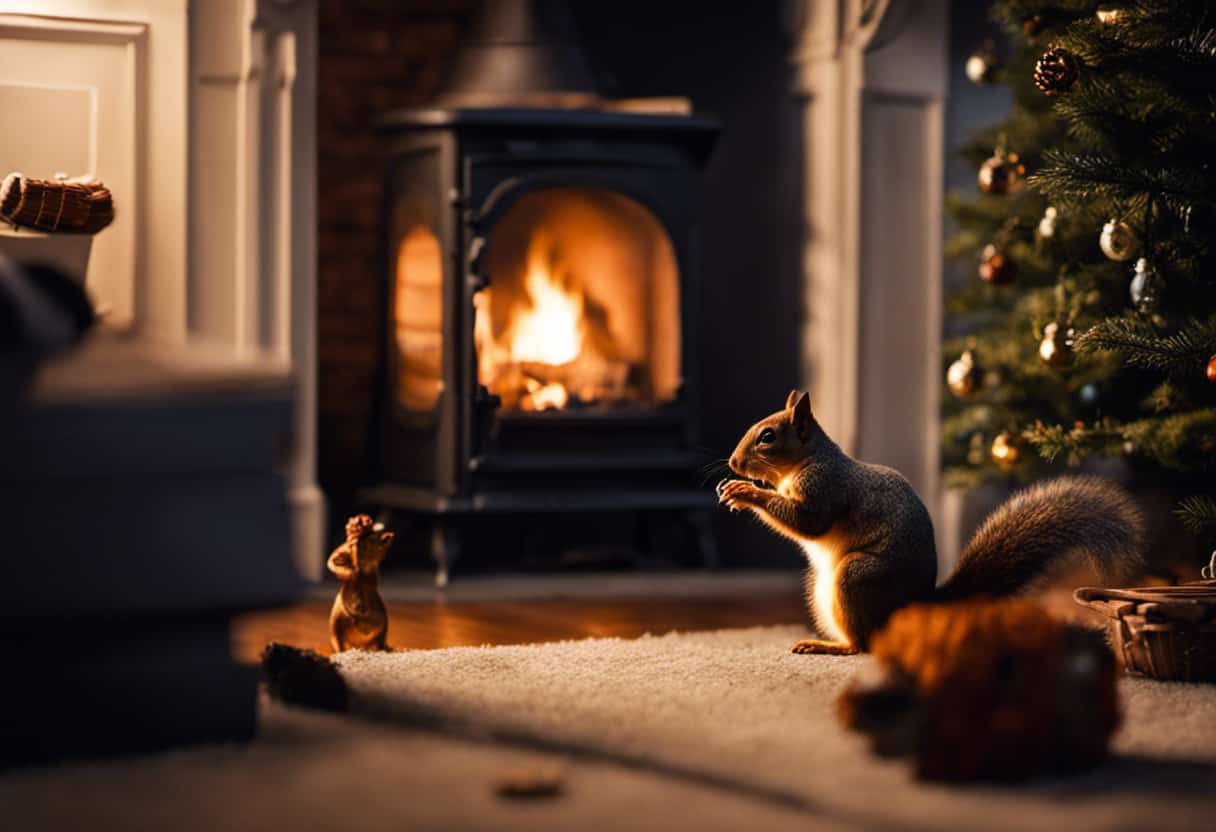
375 55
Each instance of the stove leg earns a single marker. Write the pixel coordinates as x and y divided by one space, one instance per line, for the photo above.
702 529
445 548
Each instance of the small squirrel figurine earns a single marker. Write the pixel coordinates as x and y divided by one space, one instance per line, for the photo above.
358 620
869 540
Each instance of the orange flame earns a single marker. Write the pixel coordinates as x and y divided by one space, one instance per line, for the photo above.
551 331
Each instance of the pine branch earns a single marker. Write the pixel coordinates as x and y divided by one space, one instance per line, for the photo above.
1143 346
1182 441
1077 442
1197 513
1079 177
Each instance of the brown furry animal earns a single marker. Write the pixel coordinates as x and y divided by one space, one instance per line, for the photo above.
358 619
986 690
869 541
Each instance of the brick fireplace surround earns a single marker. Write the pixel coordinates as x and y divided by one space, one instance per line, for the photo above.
374 57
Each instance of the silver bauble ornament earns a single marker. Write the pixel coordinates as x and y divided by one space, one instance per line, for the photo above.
1117 241
1147 286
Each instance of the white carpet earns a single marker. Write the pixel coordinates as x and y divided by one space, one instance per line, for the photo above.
734 709
717 731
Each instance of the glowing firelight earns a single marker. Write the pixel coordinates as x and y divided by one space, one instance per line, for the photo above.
551 331
545 335
581 309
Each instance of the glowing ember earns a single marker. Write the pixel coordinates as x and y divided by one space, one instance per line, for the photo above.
544 396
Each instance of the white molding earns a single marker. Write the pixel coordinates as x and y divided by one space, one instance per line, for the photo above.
70 29
121 160
158 47
830 39
857 64
253 217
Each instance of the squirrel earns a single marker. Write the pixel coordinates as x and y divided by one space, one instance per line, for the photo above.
869 539
358 619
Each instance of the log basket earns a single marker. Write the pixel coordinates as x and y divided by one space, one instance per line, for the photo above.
1166 632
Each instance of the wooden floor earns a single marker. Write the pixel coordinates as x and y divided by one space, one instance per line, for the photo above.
426 625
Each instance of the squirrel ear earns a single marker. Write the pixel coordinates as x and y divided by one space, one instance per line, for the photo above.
801 418
791 399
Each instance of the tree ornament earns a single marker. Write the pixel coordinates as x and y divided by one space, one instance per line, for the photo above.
1109 14
1147 286
964 377
1212 369
982 66
995 267
1056 348
1056 70
1089 394
1047 225
1117 241
1001 173
977 450
1006 449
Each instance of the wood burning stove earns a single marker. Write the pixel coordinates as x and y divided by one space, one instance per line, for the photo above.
540 275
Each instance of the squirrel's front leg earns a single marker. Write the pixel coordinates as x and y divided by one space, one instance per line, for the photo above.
782 514
341 563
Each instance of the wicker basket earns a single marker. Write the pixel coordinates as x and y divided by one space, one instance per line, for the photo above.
1167 632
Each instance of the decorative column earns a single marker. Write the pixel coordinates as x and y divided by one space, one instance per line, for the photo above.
871 75
252 276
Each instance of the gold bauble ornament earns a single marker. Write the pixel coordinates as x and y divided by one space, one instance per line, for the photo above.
1056 348
964 377
1006 449
1001 173
995 267
1117 240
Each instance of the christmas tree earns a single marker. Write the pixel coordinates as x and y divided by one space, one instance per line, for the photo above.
1089 327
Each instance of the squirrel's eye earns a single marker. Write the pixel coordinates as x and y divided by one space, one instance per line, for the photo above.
767 437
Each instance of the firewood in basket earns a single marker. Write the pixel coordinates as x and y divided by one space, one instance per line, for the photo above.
80 205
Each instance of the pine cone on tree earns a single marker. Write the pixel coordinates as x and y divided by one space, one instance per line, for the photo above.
1056 71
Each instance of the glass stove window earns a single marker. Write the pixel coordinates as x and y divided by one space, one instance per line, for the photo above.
418 320
583 304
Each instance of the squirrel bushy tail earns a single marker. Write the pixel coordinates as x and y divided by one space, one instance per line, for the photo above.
1044 527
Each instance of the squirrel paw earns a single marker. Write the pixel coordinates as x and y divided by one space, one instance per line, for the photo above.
831 648
738 494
